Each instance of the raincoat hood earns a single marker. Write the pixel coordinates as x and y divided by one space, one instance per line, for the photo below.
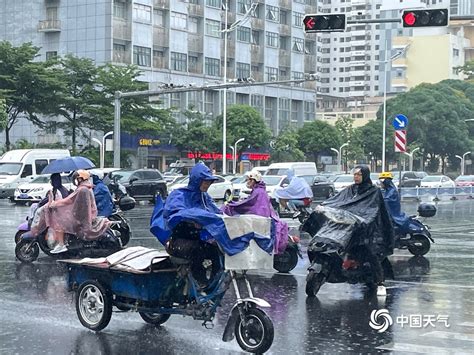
366 183
56 180
199 173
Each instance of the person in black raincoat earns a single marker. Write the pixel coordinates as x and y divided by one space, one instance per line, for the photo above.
376 241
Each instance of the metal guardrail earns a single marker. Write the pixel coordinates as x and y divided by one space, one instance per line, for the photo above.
438 193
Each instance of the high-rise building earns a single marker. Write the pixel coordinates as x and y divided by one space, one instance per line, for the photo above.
181 42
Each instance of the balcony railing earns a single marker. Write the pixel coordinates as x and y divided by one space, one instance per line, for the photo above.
195 43
195 10
160 37
257 23
285 3
49 26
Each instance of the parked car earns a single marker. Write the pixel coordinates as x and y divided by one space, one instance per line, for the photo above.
342 181
37 189
322 188
142 184
408 178
437 181
464 180
239 188
220 189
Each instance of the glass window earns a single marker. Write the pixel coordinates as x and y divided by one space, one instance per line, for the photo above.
213 3
243 6
178 61
283 17
284 42
309 111
158 17
272 39
256 101
51 55
298 45
40 164
142 13
209 101
272 13
271 73
212 66
119 53
27 170
255 37
243 70
179 21
193 64
213 28
193 24
120 10
298 19
142 56
243 34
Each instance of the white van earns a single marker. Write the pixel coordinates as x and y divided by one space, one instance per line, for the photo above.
20 164
299 168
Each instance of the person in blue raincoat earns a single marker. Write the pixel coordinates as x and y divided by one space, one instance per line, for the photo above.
186 211
392 201
293 194
103 198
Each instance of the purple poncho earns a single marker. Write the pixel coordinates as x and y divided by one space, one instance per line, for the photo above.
259 203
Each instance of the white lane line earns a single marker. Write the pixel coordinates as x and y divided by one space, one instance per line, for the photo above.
467 324
449 335
423 349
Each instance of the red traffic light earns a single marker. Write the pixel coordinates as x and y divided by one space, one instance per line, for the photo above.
425 18
324 23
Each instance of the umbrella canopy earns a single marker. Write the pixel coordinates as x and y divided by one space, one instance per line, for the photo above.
68 164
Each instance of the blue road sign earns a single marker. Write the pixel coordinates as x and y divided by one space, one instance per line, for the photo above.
400 122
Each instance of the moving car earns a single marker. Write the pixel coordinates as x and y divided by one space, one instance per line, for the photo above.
322 188
299 168
437 181
464 180
142 184
342 181
37 189
409 178
220 189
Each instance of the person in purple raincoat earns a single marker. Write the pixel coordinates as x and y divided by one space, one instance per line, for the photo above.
258 203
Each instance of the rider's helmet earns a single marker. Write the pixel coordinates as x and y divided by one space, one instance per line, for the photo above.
97 172
80 174
254 174
385 175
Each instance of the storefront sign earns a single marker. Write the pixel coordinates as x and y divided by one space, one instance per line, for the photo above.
146 142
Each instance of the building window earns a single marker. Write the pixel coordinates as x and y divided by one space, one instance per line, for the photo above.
193 64
195 100
271 73
120 10
119 53
272 39
209 101
284 17
284 105
284 42
255 37
455 52
256 101
309 110
214 3
193 24
298 19
243 6
159 60
178 21
142 56
272 13
213 28
243 34
158 17
142 13
212 66
298 45
309 47
54 54
242 99
178 61
243 70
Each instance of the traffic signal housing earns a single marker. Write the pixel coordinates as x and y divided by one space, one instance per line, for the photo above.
324 23
425 18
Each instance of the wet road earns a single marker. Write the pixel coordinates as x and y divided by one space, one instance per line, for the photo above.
37 314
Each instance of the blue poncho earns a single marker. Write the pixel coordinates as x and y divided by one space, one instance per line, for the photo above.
392 201
191 205
103 198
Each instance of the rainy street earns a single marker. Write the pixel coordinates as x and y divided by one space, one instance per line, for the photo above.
430 302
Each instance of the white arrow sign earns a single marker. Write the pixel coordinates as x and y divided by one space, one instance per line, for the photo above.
400 122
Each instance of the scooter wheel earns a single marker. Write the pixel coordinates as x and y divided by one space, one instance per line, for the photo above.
254 332
26 251
154 318
93 305
419 245
18 236
286 261
314 281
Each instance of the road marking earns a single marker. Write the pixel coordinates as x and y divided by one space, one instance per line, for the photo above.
449 335
467 324
422 349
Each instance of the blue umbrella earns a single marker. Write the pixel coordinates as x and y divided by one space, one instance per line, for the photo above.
68 164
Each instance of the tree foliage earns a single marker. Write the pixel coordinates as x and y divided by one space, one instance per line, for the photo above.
467 69
29 88
285 147
345 126
318 136
3 114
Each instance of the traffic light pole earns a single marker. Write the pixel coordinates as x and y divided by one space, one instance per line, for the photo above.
119 95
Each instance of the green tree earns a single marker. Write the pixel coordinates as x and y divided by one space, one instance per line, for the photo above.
318 136
3 114
138 114
285 146
244 122
79 77
194 135
29 88
436 113
467 69
347 132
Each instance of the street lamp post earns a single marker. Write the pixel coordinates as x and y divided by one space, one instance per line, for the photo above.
102 148
463 158
410 164
224 113
235 154
339 155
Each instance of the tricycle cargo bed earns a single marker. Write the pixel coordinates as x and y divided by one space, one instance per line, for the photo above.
151 286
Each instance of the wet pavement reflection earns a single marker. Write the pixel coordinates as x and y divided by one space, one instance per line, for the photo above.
37 314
